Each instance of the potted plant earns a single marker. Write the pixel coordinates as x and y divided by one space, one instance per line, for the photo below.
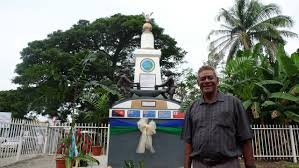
96 149
73 149
62 150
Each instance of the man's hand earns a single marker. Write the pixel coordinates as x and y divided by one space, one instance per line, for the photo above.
248 154
187 160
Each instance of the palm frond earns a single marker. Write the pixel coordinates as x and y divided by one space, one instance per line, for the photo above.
288 34
264 26
240 65
222 46
228 17
219 39
226 26
267 11
280 21
250 21
252 11
269 46
240 10
217 32
233 49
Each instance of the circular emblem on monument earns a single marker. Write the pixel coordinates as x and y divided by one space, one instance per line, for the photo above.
147 65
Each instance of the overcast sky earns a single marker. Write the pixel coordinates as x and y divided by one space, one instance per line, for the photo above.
189 22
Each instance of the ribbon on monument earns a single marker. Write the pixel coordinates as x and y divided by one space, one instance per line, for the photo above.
147 130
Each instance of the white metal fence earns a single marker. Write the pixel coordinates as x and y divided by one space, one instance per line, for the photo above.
99 134
23 139
20 140
276 142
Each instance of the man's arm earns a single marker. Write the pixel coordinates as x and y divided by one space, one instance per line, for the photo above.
187 137
248 154
244 134
187 160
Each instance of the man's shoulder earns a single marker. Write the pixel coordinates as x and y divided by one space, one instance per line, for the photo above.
230 97
194 103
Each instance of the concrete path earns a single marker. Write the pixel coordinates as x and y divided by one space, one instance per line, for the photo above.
38 162
49 162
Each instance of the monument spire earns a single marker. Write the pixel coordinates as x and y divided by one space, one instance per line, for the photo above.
147 37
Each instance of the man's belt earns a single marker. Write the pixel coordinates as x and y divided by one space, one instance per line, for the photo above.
211 162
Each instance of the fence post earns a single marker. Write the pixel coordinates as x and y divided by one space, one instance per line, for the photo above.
293 144
46 139
108 141
21 140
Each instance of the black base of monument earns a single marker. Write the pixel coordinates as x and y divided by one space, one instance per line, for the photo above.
169 150
147 93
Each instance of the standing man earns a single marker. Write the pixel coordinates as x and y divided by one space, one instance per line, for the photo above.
216 129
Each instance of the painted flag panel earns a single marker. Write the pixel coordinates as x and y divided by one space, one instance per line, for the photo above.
118 113
149 113
178 114
164 114
133 113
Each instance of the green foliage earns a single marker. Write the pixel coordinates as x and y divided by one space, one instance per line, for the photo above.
187 89
269 91
287 65
240 75
56 72
284 96
97 103
14 101
131 164
292 115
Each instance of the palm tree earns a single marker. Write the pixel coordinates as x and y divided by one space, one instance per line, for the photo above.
247 23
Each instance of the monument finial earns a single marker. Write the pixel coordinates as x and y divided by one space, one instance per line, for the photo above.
147 27
147 17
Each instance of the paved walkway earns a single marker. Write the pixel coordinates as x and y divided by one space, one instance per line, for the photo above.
49 162
38 162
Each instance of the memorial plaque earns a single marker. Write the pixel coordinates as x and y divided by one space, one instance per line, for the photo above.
147 81
148 104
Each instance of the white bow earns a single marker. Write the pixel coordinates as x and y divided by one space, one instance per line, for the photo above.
147 130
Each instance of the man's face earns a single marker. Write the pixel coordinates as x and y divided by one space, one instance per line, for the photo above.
207 81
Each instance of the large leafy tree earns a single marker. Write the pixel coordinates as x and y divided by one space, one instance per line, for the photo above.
57 71
247 23
14 101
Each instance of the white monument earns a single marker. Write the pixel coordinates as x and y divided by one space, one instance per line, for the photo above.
147 60
135 120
